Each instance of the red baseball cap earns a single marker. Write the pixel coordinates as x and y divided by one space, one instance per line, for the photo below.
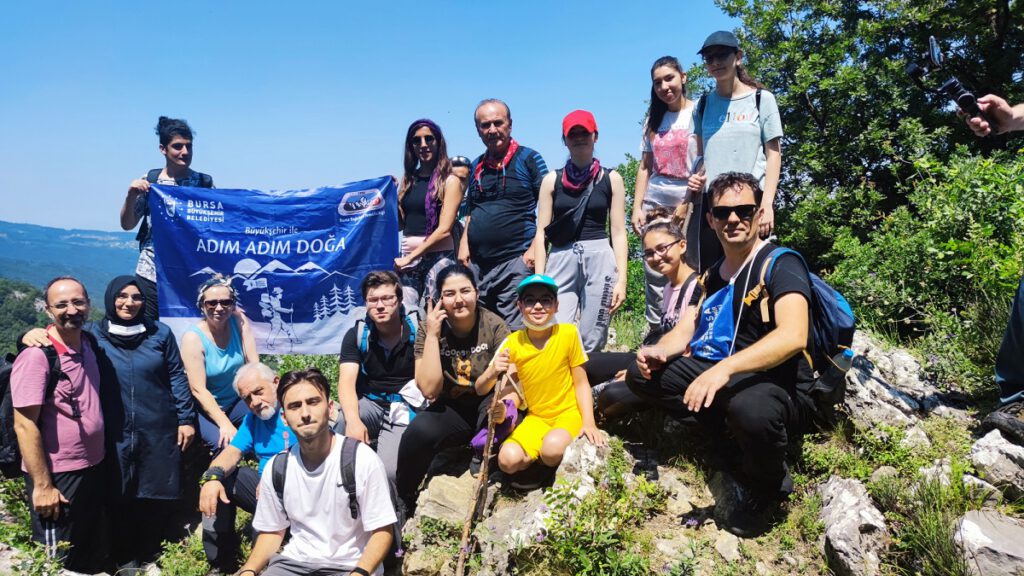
578 118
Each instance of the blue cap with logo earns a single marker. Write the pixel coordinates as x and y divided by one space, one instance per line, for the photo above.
537 280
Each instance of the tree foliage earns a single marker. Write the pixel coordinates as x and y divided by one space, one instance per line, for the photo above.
18 311
850 112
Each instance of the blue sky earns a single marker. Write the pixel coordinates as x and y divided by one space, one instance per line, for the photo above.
303 94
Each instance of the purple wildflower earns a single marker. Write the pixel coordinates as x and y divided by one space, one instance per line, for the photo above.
539 537
933 359
543 508
691 522
400 552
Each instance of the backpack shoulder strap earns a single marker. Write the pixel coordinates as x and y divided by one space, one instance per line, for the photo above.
412 320
362 336
205 180
348 473
153 175
278 471
757 100
702 105
762 286
55 373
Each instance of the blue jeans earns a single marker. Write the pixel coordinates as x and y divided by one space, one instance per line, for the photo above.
210 433
1010 361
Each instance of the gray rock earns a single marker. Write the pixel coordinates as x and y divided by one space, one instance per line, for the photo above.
1000 462
582 461
728 546
675 548
678 502
509 527
855 533
940 471
914 437
993 544
987 493
447 498
883 472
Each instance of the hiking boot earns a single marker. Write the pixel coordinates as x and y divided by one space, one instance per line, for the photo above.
646 463
752 516
1008 419
533 478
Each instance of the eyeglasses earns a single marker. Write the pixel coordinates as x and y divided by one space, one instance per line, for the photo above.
426 140
744 211
225 303
77 303
544 301
132 297
659 250
712 57
383 300
460 162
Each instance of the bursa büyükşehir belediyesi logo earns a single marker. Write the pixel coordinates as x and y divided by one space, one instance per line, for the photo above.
361 201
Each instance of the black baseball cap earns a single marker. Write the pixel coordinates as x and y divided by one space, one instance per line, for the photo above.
720 38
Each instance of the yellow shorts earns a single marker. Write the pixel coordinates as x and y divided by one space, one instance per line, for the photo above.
529 434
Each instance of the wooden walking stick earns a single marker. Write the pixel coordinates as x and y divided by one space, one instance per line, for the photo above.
481 488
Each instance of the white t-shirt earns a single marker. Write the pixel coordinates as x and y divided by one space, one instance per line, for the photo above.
322 529
673 151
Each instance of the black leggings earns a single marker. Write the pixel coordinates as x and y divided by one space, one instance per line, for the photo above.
443 425
615 399
763 416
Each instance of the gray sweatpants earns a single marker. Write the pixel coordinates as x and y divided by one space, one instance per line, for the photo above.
654 285
497 287
282 566
384 436
586 275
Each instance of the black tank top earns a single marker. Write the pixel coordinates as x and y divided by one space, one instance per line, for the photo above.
414 207
595 217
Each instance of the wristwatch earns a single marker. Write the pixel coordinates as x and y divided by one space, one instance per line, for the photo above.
212 473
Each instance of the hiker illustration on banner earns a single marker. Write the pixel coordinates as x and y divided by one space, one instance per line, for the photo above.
295 258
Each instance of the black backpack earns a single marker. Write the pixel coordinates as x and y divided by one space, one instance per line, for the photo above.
10 455
205 181
279 467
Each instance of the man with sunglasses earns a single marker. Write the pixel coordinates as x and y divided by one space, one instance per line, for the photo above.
737 364
59 427
503 188
376 363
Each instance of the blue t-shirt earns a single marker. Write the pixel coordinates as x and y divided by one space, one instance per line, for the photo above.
503 208
263 437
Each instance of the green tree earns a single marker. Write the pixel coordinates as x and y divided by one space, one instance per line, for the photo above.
18 311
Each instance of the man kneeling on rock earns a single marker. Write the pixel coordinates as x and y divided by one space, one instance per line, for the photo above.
738 372
333 530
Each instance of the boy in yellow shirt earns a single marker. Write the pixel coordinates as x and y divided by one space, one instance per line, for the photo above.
548 359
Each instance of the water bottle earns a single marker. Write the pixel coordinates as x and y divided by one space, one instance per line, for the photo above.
829 389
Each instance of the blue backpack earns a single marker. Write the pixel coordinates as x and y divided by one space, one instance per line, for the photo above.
832 320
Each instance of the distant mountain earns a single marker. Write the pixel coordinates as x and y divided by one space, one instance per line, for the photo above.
35 254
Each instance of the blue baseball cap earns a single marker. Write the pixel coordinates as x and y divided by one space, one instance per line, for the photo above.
538 280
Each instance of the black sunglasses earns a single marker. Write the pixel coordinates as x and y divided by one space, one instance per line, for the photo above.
460 162
744 211
225 303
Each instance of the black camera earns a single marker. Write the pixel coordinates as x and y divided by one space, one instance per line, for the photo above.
951 88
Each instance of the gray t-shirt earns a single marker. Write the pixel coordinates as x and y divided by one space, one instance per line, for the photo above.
734 133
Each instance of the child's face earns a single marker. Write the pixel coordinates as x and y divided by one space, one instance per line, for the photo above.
538 304
663 252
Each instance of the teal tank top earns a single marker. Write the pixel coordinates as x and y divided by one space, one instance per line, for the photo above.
221 365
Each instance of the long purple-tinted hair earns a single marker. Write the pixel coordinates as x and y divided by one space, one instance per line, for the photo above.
435 188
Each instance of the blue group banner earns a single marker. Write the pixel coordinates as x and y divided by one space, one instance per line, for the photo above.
295 258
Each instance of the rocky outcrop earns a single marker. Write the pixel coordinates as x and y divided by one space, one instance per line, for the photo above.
855 533
887 387
1000 463
993 544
